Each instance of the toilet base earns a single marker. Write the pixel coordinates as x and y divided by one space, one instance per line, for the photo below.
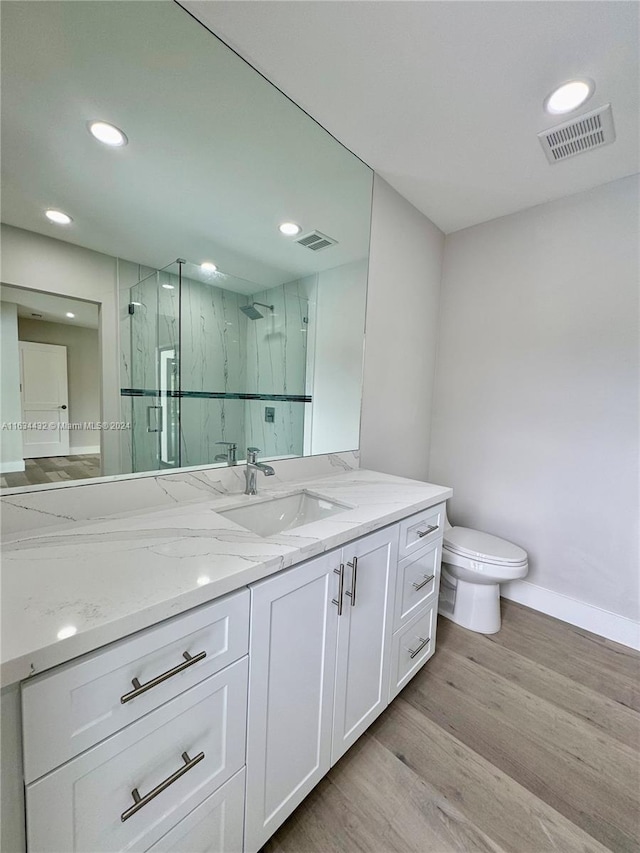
474 606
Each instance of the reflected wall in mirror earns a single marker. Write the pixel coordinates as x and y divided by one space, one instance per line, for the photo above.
212 329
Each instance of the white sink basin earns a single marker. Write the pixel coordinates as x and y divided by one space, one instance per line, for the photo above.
278 514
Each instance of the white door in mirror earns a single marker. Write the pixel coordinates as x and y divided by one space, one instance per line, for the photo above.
44 395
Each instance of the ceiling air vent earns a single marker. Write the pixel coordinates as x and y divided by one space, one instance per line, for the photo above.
591 130
316 241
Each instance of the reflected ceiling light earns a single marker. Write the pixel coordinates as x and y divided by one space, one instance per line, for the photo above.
290 229
70 315
569 96
107 133
58 217
207 266
203 580
168 287
67 631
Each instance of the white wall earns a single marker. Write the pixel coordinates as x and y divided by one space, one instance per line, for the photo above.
341 296
37 262
83 374
536 403
400 340
10 404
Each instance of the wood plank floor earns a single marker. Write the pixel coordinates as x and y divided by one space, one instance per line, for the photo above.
525 741
53 469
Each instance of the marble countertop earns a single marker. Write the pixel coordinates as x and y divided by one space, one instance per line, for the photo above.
69 589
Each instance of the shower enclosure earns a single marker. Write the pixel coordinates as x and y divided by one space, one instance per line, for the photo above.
207 363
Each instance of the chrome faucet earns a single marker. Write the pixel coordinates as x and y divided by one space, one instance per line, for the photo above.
253 466
230 456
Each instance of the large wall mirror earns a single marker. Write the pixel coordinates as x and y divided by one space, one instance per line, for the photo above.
154 314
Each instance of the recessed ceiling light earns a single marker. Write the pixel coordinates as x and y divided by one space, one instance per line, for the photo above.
207 266
168 287
70 315
107 133
290 229
569 96
58 217
68 631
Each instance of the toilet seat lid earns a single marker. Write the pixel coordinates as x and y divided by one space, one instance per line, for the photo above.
483 546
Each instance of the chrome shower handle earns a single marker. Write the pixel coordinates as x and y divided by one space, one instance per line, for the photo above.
158 421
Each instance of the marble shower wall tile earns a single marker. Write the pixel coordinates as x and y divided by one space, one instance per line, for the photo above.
213 338
283 437
276 364
213 359
276 344
203 422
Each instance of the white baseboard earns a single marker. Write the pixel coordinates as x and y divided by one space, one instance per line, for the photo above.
579 613
81 451
12 467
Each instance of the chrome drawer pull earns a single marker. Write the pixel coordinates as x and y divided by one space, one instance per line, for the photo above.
139 802
423 643
427 579
338 601
429 530
142 688
352 592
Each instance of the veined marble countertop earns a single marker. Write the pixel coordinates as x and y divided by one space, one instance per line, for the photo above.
110 577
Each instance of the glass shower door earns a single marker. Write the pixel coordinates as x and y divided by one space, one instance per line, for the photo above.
154 309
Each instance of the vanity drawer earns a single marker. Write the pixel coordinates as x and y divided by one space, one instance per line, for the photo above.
85 805
421 529
79 704
215 826
412 646
417 581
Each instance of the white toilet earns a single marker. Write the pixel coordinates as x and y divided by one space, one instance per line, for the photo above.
474 564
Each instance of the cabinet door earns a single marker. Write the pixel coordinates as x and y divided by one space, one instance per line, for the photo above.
291 682
364 636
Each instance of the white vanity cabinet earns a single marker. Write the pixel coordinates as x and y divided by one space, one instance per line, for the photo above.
320 663
174 739
155 730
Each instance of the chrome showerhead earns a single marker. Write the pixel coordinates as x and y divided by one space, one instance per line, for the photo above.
252 312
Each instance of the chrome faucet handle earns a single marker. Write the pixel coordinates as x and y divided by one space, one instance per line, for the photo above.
230 455
252 454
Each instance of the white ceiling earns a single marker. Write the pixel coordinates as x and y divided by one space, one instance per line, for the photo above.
444 99
216 159
53 309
